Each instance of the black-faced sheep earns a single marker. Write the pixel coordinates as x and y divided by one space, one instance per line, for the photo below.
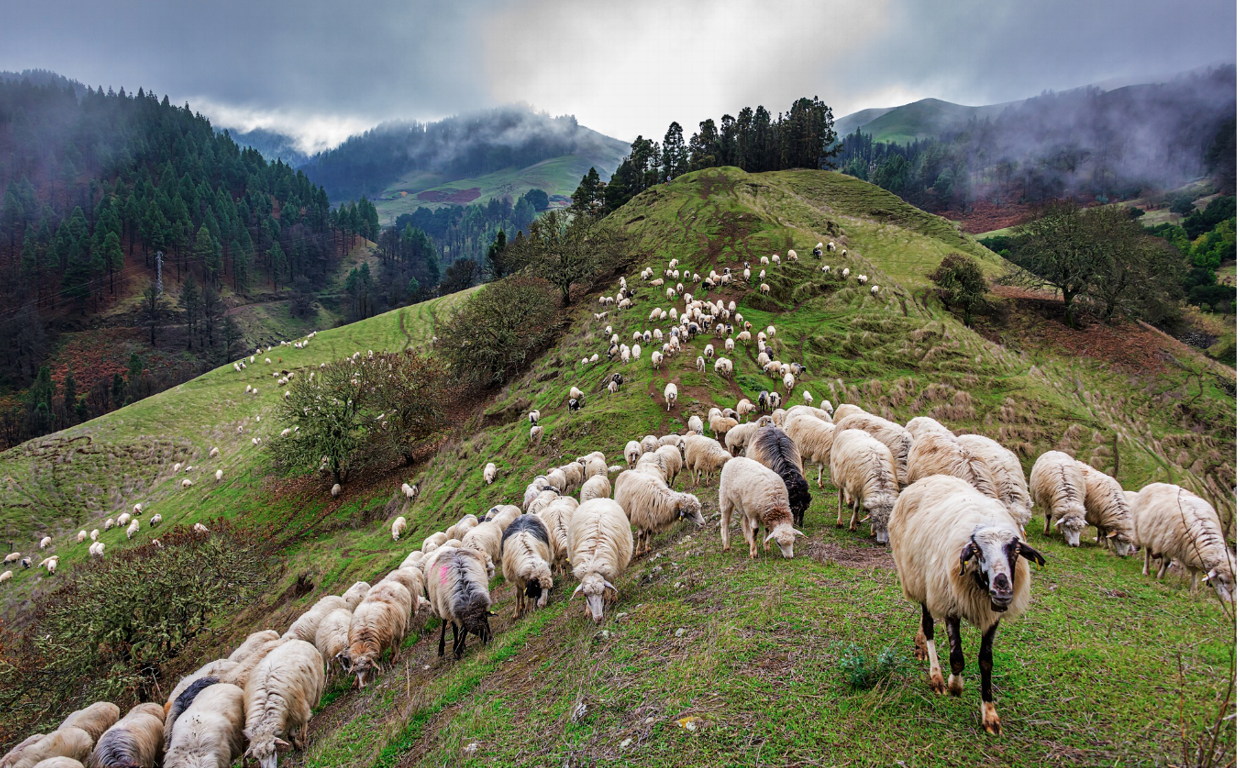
457 587
960 555
761 497
526 557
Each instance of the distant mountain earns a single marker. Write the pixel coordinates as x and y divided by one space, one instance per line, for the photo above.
924 119
42 77
460 147
272 145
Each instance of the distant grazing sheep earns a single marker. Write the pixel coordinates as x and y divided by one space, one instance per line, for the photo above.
536 434
489 472
398 527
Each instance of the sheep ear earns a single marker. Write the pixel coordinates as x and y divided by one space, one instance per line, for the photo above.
965 554
575 591
794 530
1029 553
612 587
1112 534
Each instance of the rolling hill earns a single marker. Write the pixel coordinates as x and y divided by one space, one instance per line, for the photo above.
924 119
747 652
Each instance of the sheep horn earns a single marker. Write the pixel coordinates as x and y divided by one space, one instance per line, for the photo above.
1056 523
608 585
575 591
769 536
1112 534
798 533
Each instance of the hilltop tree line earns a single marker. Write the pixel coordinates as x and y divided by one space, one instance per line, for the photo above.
92 187
1086 144
754 141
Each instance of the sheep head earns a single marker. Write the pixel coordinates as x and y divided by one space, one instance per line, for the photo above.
1071 525
689 507
784 536
595 587
878 508
265 748
1222 579
1124 545
993 551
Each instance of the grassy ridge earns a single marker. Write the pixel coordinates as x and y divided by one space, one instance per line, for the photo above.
757 659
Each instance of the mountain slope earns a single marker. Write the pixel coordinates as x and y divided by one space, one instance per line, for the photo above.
924 119
751 648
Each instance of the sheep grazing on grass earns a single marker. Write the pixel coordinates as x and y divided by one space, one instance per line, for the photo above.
489 473
1173 523
526 558
653 507
379 622
82 536
44 542
771 447
1058 486
940 453
332 637
208 733
410 491
723 366
6 576
50 564
457 587
306 626
534 416
895 437
1107 508
132 530
336 489
64 743
600 544
136 741
960 555
110 523
536 434
12 557
813 438
156 519
865 473
96 549
748 487
200 528
398 527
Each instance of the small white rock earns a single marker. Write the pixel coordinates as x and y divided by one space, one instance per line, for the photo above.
625 743
680 632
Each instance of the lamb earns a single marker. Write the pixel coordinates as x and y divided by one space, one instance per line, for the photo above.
600 545
1058 486
379 621
632 451
67 742
209 731
652 507
895 437
1174 523
536 434
457 587
772 448
813 438
959 555
398 527
597 487
279 698
704 456
669 394
355 594
865 472
137 741
761 498
526 555
1106 507
489 472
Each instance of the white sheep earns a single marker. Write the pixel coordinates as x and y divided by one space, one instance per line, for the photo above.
656 359
1174 523
280 695
1107 508
669 395
156 519
44 542
652 506
379 622
813 437
527 555
940 453
600 545
135 740
1009 476
336 490
398 527
761 498
959 555
695 424
82 536
1058 486
723 366
895 437
764 287
132 530
489 473
864 471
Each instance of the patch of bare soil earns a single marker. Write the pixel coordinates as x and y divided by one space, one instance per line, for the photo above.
866 555
455 196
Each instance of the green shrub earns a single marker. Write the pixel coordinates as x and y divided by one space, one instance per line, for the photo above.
863 673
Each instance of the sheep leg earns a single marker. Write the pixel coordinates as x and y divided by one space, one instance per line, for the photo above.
852 524
1145 570
985 661
839 517
936 672
748 530
443 628
725 520
955 683
1192 581
1163 562
1046 529
819 475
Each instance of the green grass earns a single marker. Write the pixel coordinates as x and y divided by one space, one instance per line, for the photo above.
1087 676
924 119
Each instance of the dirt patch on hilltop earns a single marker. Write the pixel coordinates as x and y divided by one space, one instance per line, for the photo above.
863 556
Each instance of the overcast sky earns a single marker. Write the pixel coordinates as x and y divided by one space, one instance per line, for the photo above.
324 70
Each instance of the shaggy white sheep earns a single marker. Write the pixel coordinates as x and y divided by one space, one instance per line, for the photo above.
600 545
669 395
1174 523
1008 475
1058 486
864 470
746 486
398 527
489 473
960 555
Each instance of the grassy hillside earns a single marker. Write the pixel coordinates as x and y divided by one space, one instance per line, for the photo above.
751 649
924 119
556 176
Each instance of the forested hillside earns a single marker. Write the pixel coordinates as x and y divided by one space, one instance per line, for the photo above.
94 188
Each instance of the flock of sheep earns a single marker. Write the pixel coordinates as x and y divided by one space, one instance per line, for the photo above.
953 509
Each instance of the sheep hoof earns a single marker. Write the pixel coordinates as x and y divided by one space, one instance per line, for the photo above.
955 685
919 648
936 682
990 719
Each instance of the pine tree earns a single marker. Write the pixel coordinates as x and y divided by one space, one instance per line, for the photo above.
189 301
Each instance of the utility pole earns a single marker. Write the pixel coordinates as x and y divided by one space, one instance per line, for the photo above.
159 272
